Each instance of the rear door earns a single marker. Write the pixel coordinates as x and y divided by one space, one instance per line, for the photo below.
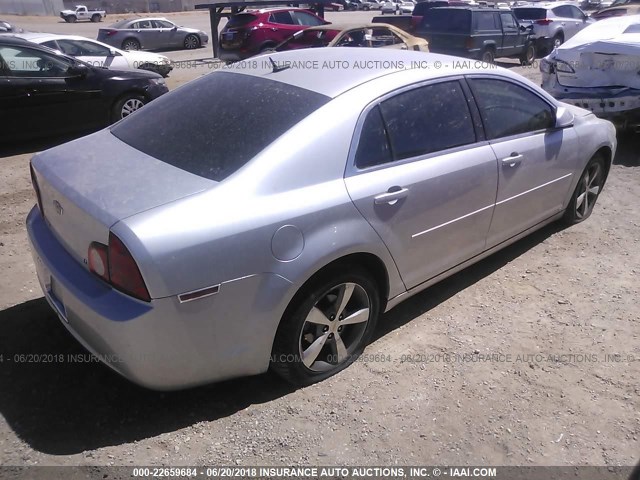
488 32
145 33
535 160
570 25
420 176
284 27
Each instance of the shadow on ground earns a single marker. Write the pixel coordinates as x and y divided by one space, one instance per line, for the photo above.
63 407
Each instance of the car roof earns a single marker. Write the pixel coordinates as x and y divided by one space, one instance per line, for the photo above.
473 8
13 39
274 9
333 71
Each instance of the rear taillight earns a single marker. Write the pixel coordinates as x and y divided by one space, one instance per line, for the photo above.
115 265
124 273
544 21
468 43
34 182
109 32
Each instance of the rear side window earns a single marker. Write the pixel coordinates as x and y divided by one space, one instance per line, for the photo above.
240 20
304 18
214 125
373 147
281 17
530 13
508 109
447 21
486 21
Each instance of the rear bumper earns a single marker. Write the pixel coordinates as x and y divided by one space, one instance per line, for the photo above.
163 344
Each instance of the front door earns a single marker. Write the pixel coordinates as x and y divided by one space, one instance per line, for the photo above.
535 160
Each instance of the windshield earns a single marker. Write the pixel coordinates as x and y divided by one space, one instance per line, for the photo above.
240 20
214 125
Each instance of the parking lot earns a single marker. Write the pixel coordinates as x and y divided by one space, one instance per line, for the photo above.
530 357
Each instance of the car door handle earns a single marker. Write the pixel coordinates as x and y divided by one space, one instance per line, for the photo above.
512 160
392 196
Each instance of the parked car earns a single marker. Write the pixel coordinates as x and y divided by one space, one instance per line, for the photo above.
46 93
100 54
372 5
598 70
371 35
619 8
553 23
477 32
427 171
81 12
151 34
254 31
6 27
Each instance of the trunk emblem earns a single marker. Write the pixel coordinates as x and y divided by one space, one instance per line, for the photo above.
58 207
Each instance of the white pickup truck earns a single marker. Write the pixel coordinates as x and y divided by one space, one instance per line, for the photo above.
82 13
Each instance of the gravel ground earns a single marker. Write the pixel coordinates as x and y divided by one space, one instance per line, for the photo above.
531 357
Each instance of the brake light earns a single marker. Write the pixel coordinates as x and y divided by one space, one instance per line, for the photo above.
468 43
115 265
110 32
34 182
544 21
124 273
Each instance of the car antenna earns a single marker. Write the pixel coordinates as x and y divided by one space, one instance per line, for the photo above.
277 68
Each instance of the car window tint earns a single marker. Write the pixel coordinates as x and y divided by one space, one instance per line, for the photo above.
563 11
26 62
242 19
508 22
428 119
373 146
224 131
162 24
485 21
142 24
304 18
78 48
447 20
281 17
508 109
383 37
530 13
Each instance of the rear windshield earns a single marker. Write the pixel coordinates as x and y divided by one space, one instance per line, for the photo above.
530 13
214 125
447 20
240 20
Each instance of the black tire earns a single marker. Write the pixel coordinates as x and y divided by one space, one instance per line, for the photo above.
191 42
126 105
588 190
71 19
296 335
488 55
529 55
95 18
130 44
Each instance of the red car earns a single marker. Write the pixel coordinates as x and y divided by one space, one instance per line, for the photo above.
251 32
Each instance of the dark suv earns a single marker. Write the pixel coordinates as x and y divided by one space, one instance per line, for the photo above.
252 32
476 32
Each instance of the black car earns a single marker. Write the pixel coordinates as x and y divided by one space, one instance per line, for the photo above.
45 93
476 32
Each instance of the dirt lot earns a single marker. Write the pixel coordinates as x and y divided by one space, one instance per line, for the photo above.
531 357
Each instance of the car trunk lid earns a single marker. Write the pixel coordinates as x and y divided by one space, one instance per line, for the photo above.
89 184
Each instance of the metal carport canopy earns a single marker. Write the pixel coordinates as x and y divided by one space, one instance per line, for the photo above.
216 12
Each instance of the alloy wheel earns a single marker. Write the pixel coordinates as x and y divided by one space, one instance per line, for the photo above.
589 188
130 106
334 327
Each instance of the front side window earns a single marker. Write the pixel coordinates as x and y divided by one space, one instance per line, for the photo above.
304 18
163 24
428 119
509 109
26 62
508 23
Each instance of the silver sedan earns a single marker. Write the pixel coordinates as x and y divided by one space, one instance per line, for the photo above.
151 34
271 225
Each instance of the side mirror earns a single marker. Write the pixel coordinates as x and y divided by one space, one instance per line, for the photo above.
564 118
174 28
112 53
78 70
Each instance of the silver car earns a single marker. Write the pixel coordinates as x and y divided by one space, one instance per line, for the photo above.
271 226
151 34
